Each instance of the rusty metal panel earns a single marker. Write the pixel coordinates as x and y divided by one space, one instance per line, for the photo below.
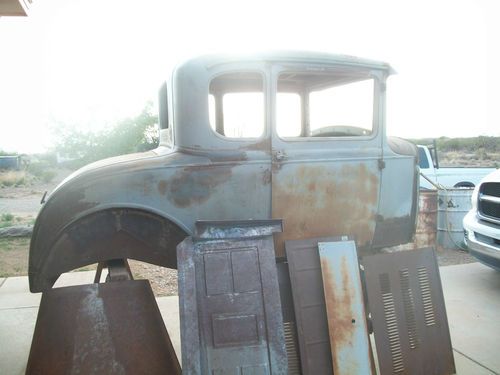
350 344
112 328
231 321
329 196
408 313
425 234
310 308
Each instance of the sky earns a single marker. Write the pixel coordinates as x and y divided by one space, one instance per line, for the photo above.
89 63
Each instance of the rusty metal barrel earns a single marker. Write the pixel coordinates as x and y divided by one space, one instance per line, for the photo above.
453 205
427 218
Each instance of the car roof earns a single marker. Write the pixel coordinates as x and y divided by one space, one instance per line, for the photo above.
289 57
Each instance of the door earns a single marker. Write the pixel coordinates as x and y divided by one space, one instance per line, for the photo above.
326 153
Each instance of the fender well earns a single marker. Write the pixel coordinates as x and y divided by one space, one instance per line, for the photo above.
110 234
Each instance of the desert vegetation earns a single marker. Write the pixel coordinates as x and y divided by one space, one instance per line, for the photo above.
481 151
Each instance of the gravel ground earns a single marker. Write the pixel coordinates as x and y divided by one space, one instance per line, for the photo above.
450 257
163 280
24 201
445 257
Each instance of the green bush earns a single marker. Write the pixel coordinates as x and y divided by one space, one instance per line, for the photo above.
12 178
130 135
7 217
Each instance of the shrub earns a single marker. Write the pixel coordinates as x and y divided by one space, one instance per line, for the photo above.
136 134
12 178
7 217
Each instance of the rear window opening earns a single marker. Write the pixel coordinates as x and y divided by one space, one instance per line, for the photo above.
236 105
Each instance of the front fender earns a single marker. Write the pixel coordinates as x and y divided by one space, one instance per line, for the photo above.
112 233
97 197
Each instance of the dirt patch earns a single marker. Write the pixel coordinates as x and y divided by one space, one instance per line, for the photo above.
14 256
445 257
31 189
14 262
24 201
450 257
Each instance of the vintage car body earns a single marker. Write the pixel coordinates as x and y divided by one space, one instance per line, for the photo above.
141 206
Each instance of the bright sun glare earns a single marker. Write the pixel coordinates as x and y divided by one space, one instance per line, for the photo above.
90 63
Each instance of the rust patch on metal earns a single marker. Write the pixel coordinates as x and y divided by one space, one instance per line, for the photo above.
162 187
340 325
144 185
228 157
320 201
266 177
345 312
195 185
112 328
341 304
427 219
262 145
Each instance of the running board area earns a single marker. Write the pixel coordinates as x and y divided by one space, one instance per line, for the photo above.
110 328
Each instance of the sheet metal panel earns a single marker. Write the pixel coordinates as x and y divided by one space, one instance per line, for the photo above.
309 302
332 193
231 321
350 346
291 342
111 328
408 313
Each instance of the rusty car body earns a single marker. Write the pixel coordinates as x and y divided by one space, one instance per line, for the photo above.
322 179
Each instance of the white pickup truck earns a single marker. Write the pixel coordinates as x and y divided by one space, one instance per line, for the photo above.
447 177
482 223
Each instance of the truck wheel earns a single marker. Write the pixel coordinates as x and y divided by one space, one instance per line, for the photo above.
464 184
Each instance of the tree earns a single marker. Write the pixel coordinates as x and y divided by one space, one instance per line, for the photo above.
129 135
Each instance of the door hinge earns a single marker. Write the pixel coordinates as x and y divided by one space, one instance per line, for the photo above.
381 164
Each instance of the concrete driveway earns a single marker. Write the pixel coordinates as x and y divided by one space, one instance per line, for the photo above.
472 294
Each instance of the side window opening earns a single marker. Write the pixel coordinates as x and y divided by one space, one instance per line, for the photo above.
325 104
236 105
288 114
